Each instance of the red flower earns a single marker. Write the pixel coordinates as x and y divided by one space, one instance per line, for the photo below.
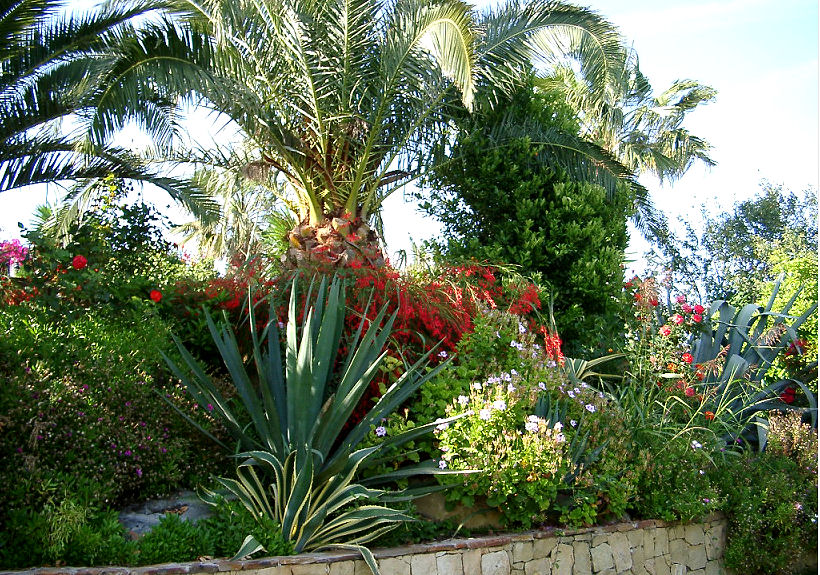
666 330
677 319
156 295
709 415
79 262
687 357
788 395
699 309
686 308
653 302
697 318
689 391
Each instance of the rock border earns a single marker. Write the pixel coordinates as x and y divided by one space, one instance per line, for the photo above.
649 547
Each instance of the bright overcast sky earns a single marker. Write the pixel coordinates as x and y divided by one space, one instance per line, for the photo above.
761 56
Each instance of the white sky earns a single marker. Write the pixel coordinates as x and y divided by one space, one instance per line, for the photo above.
761 56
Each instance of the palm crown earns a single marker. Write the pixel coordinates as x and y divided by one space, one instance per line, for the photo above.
55 69
344 98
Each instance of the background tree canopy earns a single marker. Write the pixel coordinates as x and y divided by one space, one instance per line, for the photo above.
502 204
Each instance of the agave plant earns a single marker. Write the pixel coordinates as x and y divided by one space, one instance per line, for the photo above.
736 349
297 468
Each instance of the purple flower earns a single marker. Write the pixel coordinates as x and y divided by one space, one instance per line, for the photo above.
381 431
442 354
127 453
139 472
500 404
542 386
590 408
531 426
209 407
484 414
442 464
463 400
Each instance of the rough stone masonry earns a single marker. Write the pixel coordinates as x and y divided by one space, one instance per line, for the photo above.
638 548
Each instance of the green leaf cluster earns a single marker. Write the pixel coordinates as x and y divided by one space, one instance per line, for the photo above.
504 204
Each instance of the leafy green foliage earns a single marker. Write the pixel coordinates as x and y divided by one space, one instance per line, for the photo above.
174 540
502 204
80 401
771 502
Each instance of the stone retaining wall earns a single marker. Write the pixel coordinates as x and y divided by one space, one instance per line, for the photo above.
639 548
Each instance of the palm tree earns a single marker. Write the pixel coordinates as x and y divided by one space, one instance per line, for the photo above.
642 130
55 67
345 98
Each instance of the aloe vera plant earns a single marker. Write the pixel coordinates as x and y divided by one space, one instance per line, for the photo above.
296 466
738 346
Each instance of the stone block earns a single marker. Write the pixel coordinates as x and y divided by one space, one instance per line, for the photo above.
470 560
600 538
677 532
602 557
621 552
582 560
310 569
448 564
678 551
693 534
635 537
394 566
534 567
282 570
713 568
424 564
649 566
678 569
648 542
715 541
662 566
563 563
697 572
522 551
342 568
496 563
638 555
661 541
696 558
543 547
361 568
517 571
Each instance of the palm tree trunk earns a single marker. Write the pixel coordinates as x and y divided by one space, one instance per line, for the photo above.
340 242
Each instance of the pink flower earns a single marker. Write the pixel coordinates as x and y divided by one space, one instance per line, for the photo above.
686 308
677 319
697 318
680 299
666 330
699 308
79 262
689 391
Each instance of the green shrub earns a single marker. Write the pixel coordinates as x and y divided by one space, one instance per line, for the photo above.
231 523
81 401
174 540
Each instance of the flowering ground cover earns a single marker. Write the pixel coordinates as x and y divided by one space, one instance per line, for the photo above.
664 427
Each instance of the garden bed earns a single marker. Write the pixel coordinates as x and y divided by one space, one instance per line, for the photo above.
643 547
